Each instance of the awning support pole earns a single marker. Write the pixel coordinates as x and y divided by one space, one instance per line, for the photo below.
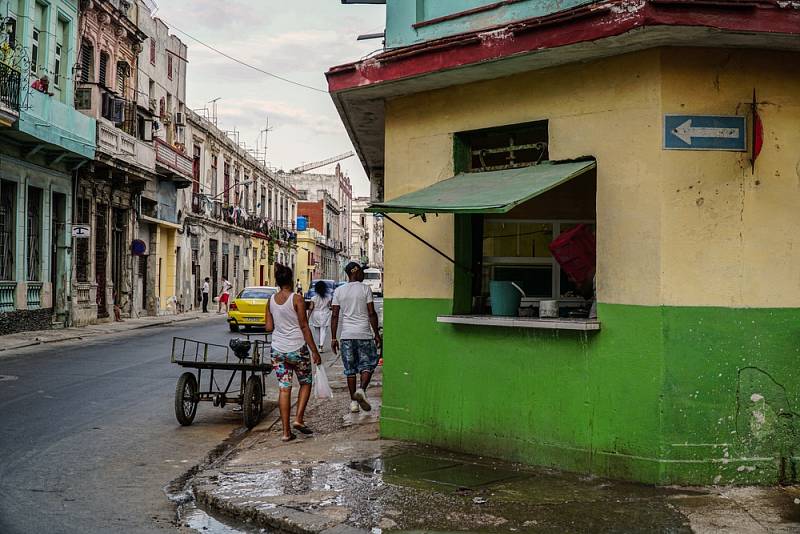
418 238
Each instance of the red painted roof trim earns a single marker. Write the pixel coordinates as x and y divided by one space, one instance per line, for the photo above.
582 24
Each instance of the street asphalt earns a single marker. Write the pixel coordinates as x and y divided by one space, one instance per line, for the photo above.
88 436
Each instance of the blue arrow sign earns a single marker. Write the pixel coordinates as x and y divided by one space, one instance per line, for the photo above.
705 132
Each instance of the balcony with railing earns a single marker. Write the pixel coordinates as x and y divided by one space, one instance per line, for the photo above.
114 142
174 163
9 94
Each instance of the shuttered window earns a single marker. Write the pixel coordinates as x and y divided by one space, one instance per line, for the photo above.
87 62
103 69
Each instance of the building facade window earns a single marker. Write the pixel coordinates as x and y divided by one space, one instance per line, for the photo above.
8 228
87 62
123 73
226 182
196 169
152 51
34 228
103 70
214 191
169 65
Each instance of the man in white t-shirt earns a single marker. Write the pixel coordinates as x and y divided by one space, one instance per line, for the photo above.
361 338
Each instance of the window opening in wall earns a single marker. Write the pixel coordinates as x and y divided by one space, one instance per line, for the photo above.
34 227
101 259
515 246
87 62
152 51
269 204
123 73
103 69
225 265
169 65
35 52
57 67
506 148
236 262
214 176
82 245
11 26
8 202
213 253
226 182
196 169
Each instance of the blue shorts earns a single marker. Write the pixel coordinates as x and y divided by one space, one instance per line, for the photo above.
359 355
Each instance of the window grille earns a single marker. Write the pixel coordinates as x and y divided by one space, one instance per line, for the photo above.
82 245
8 194
34 256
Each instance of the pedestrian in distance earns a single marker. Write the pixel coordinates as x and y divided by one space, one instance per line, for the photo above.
225 295
291 343
205 294
353 303
319 313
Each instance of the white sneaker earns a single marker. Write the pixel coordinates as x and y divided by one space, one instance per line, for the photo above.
361 397
354 407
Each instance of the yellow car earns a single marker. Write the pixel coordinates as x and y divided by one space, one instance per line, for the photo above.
249 306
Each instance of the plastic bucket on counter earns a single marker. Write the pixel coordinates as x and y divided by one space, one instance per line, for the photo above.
505 298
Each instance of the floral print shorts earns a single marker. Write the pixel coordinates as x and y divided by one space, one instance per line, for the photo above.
285 364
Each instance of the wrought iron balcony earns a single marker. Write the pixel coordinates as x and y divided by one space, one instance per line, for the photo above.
9 89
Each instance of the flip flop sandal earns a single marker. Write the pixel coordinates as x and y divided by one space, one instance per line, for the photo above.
290 437
302 428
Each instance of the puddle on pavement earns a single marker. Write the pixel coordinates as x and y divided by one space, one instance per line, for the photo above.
422 489
198 520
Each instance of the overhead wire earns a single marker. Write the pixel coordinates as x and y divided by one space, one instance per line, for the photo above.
243 63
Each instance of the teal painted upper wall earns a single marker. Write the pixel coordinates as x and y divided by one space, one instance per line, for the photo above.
401 15
50 119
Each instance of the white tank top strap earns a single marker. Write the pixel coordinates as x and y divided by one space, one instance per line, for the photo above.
287 335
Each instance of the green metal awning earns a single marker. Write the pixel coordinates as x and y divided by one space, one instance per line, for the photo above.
486 192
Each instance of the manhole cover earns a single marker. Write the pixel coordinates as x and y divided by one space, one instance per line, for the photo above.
7 378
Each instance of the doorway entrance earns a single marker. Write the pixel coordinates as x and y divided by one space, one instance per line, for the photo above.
101 259
118 253
58 279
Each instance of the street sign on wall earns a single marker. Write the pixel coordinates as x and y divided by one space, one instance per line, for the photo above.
81 231
705 132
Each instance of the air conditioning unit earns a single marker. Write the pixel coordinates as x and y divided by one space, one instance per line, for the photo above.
180 119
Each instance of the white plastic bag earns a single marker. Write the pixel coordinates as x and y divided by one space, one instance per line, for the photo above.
322 390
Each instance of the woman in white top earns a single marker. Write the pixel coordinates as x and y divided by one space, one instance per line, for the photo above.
291 340
319 313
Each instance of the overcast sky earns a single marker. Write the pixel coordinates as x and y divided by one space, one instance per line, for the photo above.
296 39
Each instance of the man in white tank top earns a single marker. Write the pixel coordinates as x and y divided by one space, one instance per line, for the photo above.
353 305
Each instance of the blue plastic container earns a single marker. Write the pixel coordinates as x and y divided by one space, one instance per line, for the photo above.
302 224
505 298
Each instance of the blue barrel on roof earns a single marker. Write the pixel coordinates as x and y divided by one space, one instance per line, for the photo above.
302 224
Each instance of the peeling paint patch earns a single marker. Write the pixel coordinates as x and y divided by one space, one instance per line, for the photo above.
496 37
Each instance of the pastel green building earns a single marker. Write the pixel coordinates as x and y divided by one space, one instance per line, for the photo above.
508 123
43 140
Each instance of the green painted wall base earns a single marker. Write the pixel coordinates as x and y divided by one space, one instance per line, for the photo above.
659 395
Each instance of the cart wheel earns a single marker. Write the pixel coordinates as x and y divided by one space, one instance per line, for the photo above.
186 399
252 404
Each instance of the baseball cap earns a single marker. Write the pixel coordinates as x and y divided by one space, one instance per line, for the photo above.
352 267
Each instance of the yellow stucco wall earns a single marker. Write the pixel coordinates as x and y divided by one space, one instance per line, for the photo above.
609 109
729 236
674 227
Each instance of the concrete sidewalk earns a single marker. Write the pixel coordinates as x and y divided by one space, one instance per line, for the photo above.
345 479
39 337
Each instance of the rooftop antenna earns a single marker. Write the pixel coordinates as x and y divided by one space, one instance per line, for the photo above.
214 110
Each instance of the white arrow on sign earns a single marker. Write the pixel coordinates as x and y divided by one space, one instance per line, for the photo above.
685 132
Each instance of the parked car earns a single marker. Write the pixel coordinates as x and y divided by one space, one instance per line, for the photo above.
249 307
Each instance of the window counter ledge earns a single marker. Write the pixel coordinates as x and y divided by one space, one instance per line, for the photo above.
584 325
